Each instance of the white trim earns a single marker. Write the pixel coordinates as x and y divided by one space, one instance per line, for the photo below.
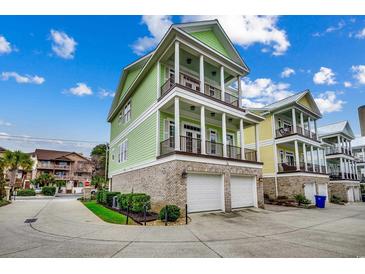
268 175
158 124
298 138
158 84
190 158
295 174
340 155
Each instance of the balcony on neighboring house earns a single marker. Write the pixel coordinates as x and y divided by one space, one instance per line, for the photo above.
334 149
193 146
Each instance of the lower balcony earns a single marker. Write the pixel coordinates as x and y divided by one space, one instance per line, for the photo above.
193 146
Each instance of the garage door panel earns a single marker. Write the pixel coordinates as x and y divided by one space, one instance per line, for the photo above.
243 191
204 192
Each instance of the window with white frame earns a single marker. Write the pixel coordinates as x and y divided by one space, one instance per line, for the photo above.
127 112
123 150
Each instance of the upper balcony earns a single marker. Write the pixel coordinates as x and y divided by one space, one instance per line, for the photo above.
334 149
294 121
193 71
50 165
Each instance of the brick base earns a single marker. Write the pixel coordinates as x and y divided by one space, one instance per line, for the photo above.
339 189
290 185
166 185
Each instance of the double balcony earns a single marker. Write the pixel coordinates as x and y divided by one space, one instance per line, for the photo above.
53 166
289 130
191 83
193 146
338 150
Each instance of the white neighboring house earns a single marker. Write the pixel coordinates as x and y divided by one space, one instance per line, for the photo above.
358 148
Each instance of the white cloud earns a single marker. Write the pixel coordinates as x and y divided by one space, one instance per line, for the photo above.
157 26
249 30
4 134
5 46
324 76
340 25
328 102
287 72
360 34
263 91
5 123
80 89
22 79
63 45
347 84
105 93
359 73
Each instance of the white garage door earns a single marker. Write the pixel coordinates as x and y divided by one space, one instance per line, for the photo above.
204 192
243 191
350 194
310 191
322 190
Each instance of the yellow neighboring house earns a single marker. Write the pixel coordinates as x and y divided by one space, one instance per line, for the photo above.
289 147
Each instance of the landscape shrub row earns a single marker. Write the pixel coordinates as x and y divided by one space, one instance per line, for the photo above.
49 190
106 197
25 192
135 201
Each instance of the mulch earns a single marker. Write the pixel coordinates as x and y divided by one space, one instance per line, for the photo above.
137 217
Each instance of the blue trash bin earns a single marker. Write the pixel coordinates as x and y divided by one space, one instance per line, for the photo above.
320 201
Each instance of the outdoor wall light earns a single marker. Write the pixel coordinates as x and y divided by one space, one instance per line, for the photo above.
192 108
184 174
214 73
230 120
212 114
188 61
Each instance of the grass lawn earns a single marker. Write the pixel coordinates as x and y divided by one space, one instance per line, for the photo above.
107 214
4 203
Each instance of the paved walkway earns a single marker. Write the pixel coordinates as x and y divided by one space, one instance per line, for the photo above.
65 228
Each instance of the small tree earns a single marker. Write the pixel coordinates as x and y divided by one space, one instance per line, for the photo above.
45 179
98 181
99 159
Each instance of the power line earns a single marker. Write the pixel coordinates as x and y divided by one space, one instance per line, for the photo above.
30 138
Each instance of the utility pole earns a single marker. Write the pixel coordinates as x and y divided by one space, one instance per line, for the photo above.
106 163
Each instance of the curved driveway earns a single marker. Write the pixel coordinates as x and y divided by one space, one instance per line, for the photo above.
65 228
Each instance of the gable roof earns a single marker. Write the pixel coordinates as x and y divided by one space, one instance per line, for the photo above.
294 99
358 142
336 128
2 149
46 154
151 58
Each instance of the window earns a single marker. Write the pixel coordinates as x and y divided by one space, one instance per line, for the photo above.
289 158
127 112
123 148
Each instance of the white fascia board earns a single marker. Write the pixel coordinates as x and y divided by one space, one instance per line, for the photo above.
299 138
302 174
340 155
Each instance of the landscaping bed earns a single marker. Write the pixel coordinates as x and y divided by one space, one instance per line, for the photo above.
106 214
4 203
300 201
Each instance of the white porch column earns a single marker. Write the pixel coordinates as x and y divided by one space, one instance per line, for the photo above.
342 143
342 168
312 158
201 74
222 84
242 140
319 160
224 133
325 160
305 157
177 123
309 127
338 143
202 129
363 153
294 118
177 63
297 155
315 128
302 122
257 142
240 94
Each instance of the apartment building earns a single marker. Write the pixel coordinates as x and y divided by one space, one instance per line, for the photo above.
340 160
71 167
294 160
177 124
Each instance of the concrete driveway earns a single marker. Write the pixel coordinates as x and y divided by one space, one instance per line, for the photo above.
65 228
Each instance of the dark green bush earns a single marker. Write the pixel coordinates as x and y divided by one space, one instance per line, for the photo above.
25 192
100 195
173 213
105 197
136 201
49 190
300 198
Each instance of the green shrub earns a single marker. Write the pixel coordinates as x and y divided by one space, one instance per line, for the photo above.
99 196
25 192
105 197
300 198
135 201
173 213
336 200
49 190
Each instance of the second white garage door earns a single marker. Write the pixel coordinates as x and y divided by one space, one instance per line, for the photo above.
243 191
204 192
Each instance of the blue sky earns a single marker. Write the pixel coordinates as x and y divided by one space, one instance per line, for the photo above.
53 69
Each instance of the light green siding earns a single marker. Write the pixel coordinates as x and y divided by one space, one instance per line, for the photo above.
131 76
210 39
141 145
141 100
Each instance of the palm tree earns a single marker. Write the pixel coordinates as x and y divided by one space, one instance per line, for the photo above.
2 178
14 160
